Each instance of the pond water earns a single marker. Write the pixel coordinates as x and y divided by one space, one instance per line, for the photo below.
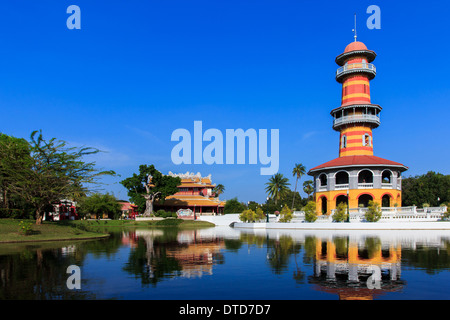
226 263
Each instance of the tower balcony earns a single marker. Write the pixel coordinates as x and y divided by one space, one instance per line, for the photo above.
361 67
357 118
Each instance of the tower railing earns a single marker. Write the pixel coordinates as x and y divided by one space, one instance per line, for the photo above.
356 118
356 67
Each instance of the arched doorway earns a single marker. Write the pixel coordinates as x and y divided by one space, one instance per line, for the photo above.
341 199
386 201
323 205
363 200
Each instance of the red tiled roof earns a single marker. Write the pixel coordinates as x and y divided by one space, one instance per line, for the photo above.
348 161
355 46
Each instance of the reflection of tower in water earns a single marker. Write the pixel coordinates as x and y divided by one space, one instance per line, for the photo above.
356 271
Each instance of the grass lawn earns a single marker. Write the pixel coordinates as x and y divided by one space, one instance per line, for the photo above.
47 231
82 229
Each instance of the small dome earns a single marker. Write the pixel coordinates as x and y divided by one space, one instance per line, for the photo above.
355 46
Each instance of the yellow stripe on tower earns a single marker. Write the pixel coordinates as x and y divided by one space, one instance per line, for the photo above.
356 95
349 83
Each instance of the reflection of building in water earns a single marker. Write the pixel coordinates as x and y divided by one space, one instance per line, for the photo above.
197 258
195 254
353 271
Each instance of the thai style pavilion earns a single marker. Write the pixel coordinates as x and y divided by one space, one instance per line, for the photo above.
195 193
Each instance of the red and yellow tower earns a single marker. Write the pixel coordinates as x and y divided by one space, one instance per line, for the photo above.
357 116
356 176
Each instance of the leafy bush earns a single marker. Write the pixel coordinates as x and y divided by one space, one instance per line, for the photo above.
260 214
373 213
340 214
14 213
169 222
286 214
310 211
165 214
248 216
25 228
233 206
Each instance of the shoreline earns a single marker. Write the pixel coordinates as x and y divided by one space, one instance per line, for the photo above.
428 225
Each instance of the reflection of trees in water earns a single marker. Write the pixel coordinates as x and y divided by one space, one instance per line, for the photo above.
150 263
279 251
40 273
431 259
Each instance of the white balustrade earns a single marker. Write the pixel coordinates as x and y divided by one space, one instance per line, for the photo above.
356 117
356 67
365 185
389 214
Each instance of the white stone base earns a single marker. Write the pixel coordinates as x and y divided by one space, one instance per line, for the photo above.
433 225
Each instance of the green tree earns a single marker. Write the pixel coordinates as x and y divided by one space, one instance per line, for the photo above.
373 213
248 216
233 206
55 172
252 205
285 214
259 214
14 156
308 187
340 214
432 188
218 190
147 186
100 204
310 211
298 171
277 186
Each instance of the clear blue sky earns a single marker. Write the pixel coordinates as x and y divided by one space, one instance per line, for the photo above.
138 70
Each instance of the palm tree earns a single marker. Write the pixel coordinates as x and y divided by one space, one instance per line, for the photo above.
299 170
308 187
277 186
219 189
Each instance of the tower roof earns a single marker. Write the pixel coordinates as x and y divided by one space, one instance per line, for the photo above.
355 161
355 46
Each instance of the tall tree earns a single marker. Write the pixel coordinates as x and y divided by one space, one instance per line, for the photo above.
54 172
308 187
147 186
277 186
219 189
298 171
14 155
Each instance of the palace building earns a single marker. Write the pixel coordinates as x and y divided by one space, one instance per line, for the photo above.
356 176
196 193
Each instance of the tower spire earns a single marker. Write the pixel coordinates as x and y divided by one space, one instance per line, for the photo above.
354 30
